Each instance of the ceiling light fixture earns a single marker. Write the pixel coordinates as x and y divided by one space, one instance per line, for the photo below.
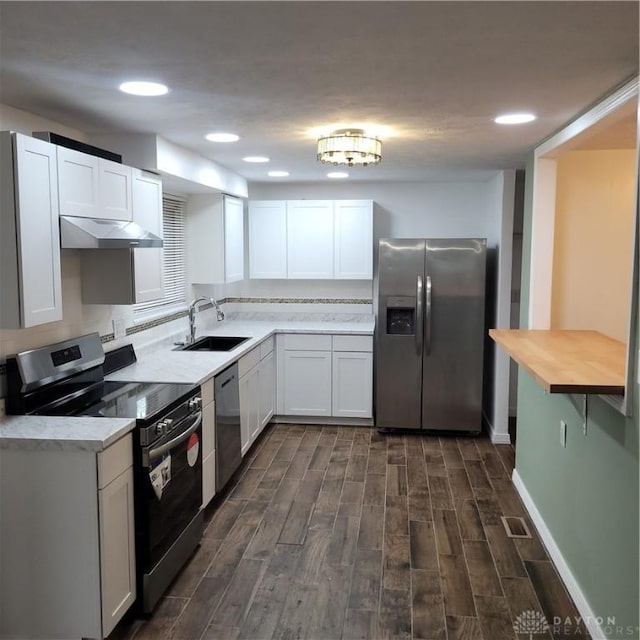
515 118
278 174
350 147
143 88
337 174
256 159
222 137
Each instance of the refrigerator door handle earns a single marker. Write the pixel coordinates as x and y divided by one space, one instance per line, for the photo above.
427 349
419 314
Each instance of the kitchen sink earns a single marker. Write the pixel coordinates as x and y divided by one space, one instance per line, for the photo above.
215 343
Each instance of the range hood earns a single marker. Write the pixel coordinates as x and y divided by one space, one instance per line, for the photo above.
99 233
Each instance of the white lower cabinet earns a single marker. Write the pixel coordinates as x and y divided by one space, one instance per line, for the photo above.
249 410
117 553
67 548
323 375
307 383
267 388
208 442
351 387
257 371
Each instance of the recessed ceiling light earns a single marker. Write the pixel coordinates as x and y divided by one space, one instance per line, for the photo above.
337 174
515 118
143 88
256 159
222 137
277 174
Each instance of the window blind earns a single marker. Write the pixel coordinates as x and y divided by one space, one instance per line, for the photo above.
174 258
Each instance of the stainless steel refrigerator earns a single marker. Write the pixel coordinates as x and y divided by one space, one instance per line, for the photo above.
429 297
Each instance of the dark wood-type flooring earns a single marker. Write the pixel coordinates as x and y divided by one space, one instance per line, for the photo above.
343 532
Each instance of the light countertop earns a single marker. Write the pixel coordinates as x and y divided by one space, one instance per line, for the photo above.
51 433
167 365
159 363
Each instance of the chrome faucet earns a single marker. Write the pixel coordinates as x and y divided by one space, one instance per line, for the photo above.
192 315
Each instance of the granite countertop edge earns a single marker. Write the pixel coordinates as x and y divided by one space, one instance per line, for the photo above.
61 433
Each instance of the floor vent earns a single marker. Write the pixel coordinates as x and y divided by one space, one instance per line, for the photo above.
515 527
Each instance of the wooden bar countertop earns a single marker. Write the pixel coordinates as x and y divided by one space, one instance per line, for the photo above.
567 361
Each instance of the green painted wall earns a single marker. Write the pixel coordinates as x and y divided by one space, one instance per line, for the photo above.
588 492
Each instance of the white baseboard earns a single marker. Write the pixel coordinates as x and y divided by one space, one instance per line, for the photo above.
586 613
495 436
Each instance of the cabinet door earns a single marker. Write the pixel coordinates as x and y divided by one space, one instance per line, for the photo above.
116 193
208 478
233 239
268 239
245 412
310 239
307 383
117 550
37 231
79 183
267 383
352 386
147 212
353 239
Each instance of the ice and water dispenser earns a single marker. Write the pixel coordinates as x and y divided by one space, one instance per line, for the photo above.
401 315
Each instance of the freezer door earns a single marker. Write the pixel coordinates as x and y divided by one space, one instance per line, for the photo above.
399 338
454 334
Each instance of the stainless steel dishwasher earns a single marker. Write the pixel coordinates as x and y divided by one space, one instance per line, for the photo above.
228 438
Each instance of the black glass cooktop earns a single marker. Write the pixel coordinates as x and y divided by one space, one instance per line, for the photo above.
145 401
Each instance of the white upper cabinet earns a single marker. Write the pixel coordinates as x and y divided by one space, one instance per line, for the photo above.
215 239
233 239
116 192
310 239
147 212
268 239
30 276
353 228
134 275
92 187
79 183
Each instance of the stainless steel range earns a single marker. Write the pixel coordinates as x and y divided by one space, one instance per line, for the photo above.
67 378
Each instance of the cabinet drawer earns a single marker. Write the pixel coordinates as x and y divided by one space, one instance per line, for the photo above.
206 392
353 343
114 460
248 361
266 347
302 342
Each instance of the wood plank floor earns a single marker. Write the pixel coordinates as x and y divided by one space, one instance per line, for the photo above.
344 532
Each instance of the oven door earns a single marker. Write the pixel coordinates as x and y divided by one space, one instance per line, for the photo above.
171 488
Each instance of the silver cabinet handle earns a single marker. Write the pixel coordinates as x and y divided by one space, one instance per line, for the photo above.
428 325
172 444
419 314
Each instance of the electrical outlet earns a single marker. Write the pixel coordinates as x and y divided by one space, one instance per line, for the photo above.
563 433
119 330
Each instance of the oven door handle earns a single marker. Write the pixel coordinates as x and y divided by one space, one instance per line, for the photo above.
172 444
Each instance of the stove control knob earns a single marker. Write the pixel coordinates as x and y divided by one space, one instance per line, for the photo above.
168 425
195 404
160 428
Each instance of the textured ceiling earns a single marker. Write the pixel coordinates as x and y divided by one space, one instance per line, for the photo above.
434 73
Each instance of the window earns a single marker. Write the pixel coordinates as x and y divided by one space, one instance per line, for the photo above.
174 263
